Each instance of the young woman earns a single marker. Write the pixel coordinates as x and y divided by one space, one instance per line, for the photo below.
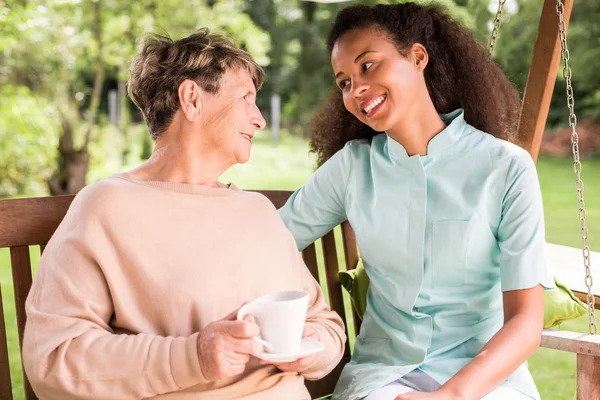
415 153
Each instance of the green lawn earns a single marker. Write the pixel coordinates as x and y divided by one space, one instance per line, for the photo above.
288 166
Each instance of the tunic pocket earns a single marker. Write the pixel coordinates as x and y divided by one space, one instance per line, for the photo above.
449 244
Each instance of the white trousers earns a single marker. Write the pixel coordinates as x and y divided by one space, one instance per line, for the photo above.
418 381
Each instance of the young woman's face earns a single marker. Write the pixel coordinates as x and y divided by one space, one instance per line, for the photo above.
379 85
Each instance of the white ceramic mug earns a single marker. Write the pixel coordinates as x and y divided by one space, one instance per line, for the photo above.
280 317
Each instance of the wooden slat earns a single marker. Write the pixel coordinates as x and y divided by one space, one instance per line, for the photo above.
351 255
310 259
336 299
25 222
588 377
5 385
324 386
277 197
541 78
21 271
583 297
572 342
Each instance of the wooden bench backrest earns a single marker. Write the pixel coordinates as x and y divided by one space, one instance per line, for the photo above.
31 222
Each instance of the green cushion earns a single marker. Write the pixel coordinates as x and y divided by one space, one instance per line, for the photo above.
356 282
560 304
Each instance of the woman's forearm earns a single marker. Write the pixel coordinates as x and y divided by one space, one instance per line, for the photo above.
98 364
514 343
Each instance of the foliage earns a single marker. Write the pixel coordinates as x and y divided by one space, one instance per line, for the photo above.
515 48
52 47
584 36
49 43
28 141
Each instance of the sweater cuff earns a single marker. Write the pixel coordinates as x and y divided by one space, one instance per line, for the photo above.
185 365
327 359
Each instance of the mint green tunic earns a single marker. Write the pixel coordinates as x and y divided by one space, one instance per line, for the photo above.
441 237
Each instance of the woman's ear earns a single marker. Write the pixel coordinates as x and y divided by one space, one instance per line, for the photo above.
190 99
420 56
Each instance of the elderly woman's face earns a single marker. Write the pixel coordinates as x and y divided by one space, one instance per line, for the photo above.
232 116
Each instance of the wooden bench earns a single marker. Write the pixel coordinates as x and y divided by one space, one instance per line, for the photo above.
31 222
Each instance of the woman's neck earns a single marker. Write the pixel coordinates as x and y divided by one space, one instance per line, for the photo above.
176 159
417 128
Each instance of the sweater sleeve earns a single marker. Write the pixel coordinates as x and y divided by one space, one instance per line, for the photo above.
327 323
70 350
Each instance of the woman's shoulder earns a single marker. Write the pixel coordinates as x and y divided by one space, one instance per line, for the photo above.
359 149
102 195
513 163
258 199
260 210
508 154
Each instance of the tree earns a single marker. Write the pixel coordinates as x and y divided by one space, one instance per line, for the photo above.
584 44
52 46
514 51
28 141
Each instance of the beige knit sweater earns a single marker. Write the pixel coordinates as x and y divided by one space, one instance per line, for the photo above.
134 272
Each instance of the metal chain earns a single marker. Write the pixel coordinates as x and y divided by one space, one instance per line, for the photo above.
560 9
496 27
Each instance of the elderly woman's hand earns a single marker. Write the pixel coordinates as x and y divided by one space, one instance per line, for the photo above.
225 346
301 364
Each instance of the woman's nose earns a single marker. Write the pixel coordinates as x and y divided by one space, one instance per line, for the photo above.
358 87
257 119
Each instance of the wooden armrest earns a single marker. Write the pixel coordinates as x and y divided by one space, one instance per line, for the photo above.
573 342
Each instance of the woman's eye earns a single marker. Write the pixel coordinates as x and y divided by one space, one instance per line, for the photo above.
343 84
366 66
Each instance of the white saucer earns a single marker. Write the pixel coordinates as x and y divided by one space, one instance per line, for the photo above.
307 347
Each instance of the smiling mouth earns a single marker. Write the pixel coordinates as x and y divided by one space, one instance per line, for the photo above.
245 135
374 106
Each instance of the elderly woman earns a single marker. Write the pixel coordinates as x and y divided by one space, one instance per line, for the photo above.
137 291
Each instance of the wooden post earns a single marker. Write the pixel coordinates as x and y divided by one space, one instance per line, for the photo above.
588 377
541 78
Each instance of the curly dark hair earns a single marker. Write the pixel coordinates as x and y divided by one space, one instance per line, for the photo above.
459 74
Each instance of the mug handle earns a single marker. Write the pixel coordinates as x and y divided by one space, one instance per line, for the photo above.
242 313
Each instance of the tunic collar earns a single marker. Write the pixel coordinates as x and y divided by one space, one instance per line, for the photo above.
443 141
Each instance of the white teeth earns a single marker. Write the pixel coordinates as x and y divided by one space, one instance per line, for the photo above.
246 136
374 103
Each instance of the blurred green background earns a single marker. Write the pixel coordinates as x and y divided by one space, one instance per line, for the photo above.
64 64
